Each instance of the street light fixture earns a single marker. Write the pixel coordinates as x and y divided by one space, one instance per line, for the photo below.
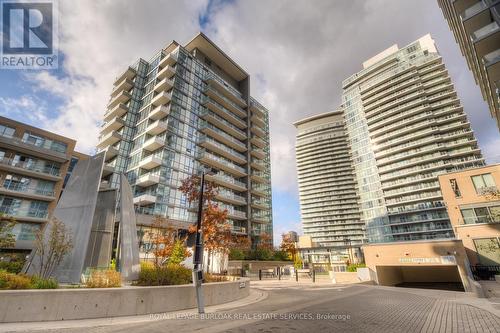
198 249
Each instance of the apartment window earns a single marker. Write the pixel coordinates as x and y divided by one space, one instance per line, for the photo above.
6 131
454 186
482 183
481 215
488 251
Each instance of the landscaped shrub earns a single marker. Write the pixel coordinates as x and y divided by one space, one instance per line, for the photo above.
214 278
41 283
170 274
14 281
281 256
354 267
104 279
236 254
12 266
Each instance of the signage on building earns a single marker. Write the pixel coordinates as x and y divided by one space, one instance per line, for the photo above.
446 260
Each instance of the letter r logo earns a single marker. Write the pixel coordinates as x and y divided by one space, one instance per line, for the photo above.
27 27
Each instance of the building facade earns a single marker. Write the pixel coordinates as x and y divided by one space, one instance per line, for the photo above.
33 166
189 108
406 127
472 199
476 27
327 188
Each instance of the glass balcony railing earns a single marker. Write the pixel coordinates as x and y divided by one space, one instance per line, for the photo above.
232 104
226 112
17 187
205 124
486 31
206 112
32 166
203 153
205 138
23 212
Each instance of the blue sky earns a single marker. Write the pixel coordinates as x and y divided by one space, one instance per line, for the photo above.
296 54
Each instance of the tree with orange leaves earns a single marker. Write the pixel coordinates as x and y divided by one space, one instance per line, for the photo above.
164 240
265 242
215 229
288 245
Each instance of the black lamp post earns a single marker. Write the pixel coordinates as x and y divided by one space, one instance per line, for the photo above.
198 249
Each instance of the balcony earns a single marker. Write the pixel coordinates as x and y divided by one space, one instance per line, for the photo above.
257 131
222 136
221 149
225 102
223 112
147 180
258 152
257 109
259 176
258 218
236 214
150 162
166 72
221 163
238 230
129 73
23 191
156 127
109 139
108 169
231 198
486 39
114 124
225 89
260 204
258 164
144 200
162 98
111 152
258 120
153 143
120 98
169 60
30 169
117 111
125 85
259 190
227 181
165 84
159 112
25 214
222 123
258 141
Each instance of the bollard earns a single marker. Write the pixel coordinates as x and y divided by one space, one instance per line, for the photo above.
260 274
242 273
314 275
296 275
279 273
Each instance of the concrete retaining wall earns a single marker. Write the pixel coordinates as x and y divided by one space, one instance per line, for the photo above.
85 303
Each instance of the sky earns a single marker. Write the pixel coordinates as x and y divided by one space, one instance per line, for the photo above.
297 54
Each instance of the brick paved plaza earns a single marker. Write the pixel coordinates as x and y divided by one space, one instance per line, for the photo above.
305 307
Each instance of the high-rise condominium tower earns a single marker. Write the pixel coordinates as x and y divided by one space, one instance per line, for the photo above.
406 127
328 199
189 108
476 26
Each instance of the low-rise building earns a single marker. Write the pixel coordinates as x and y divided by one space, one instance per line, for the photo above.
472 199
33 167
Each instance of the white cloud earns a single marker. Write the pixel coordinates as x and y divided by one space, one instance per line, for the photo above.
27 107
99 40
